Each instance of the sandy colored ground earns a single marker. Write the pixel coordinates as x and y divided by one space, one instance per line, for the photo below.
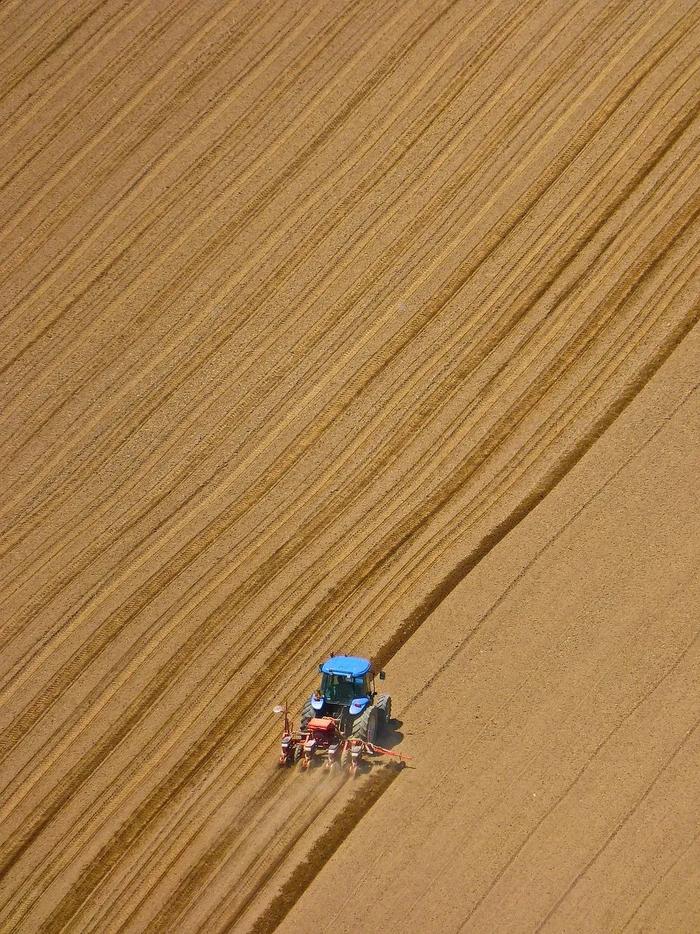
355 326
553 708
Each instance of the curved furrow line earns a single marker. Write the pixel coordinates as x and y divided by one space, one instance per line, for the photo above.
303 818
21 909
693 312
147 464
268 739
308 809
544 338
260 863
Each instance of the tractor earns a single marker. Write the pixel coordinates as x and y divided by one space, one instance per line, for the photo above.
341 721
347 694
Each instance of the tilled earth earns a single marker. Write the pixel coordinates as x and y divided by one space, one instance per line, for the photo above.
349 326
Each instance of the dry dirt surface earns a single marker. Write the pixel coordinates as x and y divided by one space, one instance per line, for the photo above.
365 326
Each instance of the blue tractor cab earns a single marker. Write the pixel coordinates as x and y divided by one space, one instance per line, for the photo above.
345 682
347 694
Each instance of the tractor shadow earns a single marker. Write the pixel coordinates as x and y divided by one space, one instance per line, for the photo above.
390 738
392 734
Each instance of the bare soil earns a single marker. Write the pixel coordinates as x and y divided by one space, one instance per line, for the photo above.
368 327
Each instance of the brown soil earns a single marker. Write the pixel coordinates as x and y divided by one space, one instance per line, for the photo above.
352 326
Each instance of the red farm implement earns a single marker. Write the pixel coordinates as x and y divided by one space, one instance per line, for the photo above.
323 744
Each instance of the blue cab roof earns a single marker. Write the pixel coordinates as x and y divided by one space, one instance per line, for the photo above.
346 665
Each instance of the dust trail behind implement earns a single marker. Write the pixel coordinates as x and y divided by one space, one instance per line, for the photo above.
304 311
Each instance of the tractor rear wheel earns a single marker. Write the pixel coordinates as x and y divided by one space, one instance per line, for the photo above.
307 712
366 726
383 705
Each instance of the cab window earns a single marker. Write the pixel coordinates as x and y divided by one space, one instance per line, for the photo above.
339 689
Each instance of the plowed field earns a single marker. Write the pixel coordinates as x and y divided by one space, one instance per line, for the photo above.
349 326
